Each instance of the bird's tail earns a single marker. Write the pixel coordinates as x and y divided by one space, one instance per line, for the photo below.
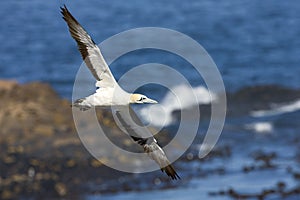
80 103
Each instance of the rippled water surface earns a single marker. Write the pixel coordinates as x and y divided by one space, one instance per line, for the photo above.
252 43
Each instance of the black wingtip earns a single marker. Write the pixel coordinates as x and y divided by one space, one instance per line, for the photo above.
170 171
64 10
67 16
64 7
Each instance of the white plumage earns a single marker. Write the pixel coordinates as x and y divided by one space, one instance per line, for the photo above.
109 93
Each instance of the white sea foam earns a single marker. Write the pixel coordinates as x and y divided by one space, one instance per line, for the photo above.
260 127
278 110
181 97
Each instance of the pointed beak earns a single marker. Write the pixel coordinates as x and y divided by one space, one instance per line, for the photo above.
148 100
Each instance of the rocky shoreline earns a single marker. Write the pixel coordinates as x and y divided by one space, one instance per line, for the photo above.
42 156
41 153
249 99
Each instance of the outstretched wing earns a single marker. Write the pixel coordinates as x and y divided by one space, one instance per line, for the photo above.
129 122
90 52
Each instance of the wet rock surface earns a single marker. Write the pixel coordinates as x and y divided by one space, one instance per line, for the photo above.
259 98
248 99
41 153
42 156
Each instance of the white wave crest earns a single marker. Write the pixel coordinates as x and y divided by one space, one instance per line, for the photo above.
291 107
181 97
260 127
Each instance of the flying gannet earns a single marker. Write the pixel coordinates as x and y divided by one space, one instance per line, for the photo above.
109 93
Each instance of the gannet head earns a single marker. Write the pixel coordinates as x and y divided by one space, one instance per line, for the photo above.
139 98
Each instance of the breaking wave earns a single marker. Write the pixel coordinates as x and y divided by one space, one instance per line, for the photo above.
260 127
161 114
281 109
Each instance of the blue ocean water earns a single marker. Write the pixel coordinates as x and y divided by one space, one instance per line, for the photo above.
253 42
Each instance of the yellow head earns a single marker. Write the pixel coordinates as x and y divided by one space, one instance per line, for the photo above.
139 98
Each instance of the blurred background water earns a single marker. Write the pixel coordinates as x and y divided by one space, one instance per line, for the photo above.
252 43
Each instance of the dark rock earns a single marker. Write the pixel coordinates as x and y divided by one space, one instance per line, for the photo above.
259 98
248 99
41 154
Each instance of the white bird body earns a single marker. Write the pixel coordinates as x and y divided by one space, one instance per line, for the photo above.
109 93
110 96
